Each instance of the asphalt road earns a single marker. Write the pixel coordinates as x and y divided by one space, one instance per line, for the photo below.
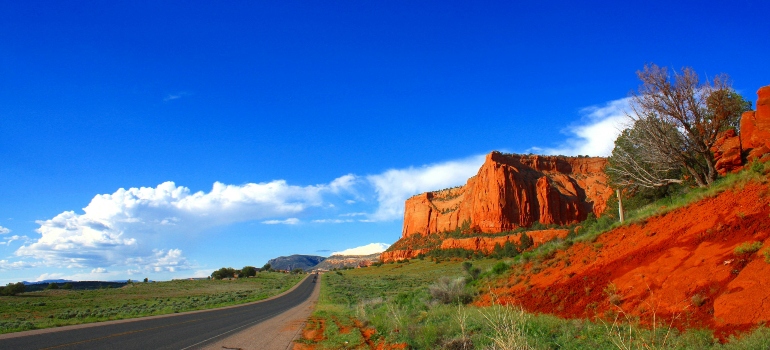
182 331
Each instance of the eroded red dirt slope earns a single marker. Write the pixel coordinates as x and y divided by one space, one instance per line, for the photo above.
682 266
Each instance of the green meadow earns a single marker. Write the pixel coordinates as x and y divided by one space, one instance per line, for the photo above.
59 307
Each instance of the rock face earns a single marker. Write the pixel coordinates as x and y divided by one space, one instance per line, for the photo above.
513 191
755 125
732 151
403 254
727 152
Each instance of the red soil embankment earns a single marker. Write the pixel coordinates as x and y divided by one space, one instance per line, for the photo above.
681 266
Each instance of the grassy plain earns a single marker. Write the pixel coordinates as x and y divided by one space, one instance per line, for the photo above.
396 304
54 308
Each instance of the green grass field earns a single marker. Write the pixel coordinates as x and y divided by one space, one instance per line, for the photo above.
54 308
400 301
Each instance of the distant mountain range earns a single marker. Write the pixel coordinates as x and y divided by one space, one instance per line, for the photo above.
295 261
340 261
46 282
27 283
312 262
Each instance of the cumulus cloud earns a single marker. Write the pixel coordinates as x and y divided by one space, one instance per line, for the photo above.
596 133
115 229
289 221
4 230
8 240
371 248
49 276
394 186
332 221
6 265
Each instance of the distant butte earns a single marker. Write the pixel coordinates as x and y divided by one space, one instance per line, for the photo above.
511 191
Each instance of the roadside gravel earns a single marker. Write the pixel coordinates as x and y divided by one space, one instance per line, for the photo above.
277 333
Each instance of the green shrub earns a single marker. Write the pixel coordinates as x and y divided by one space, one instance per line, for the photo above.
747 248
449 291
500 267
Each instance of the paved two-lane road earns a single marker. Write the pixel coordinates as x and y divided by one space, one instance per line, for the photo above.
192 330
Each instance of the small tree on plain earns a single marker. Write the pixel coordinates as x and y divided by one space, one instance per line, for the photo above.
225 272
13 289
52 286
248 271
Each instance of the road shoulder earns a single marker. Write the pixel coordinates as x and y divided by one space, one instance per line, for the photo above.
277 333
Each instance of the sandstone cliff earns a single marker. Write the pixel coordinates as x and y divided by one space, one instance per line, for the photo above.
513 191
732 152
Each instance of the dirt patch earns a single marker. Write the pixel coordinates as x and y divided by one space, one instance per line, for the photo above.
681 266
314 330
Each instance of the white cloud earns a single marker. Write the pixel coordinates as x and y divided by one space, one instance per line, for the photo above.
354 214
343 183
49 276
116 229
332 221
394 186
99 270
202 273
8 240
4 230
596 134
289 221
371 248
6 265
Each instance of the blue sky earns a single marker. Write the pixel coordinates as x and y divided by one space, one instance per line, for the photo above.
167 139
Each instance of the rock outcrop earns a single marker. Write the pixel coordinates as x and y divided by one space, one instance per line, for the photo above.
512 191
732 152
727 152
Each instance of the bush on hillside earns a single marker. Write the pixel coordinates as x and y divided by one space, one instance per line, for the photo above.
449 291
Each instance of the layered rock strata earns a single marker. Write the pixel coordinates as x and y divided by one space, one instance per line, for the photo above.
513 191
